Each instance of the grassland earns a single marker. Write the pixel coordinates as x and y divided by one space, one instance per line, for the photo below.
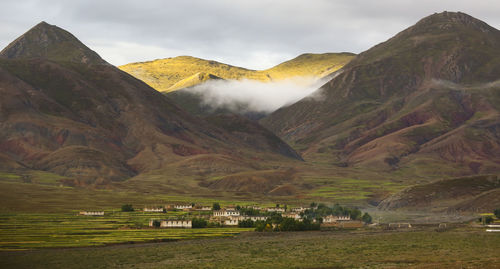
46 230
184 71
422 247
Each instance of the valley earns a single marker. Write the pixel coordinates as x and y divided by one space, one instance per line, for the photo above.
392 155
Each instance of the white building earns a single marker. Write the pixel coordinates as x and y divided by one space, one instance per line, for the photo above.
299 209
153 209
92 213
275 209
294 216
173 223
231 222
183 207
253 218
203 208
333 219
226 213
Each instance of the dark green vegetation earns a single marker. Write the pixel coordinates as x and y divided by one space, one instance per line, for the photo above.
127 208
423 247
423 103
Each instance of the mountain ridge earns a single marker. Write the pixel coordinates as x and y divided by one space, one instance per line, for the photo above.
95 124
392 108
162 74
52 43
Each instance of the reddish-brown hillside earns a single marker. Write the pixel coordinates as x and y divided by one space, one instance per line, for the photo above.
426 101
65 110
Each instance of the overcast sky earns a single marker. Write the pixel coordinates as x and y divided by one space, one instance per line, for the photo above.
250 33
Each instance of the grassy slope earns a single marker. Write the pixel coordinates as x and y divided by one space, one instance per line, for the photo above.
175 73
445 193
423 248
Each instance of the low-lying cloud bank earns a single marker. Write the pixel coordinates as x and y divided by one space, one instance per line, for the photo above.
255 96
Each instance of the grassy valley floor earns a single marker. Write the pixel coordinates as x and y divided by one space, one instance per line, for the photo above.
420 247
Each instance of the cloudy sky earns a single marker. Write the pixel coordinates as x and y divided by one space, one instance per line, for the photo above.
250 33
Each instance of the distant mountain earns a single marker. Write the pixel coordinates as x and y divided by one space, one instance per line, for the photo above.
65 110
46 42
425 102
170 74
466 193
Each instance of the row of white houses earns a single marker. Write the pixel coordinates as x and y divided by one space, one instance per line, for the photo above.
173 223
92 213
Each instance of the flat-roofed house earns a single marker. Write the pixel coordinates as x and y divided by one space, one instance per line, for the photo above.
231 222
225 213
153 209
92 213
276 209
294 216
173 223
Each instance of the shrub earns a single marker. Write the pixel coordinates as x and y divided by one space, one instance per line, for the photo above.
199 223
156 223
248 223
497 213
367 218
127 208
216 206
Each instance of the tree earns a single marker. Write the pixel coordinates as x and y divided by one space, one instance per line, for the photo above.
497 213
127 208
238 207
355 214
313 204
216 206
248 223
367 218
488 219
198 223
156 223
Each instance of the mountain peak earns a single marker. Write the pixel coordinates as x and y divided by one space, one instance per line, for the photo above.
447 21
50 42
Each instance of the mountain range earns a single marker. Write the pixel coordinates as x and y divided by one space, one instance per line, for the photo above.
171 74
423 105
66 110
424 102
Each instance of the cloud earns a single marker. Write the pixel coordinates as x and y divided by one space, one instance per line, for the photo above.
255 96
446 84
254 34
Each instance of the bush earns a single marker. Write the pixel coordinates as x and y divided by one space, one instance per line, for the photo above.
156 223
367 218
216 206
198 223
497 213
248 223
127 208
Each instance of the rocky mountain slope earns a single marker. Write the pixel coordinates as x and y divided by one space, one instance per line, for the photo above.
66 110
426 101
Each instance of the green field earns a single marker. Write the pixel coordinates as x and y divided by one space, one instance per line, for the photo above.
43 230
422 247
